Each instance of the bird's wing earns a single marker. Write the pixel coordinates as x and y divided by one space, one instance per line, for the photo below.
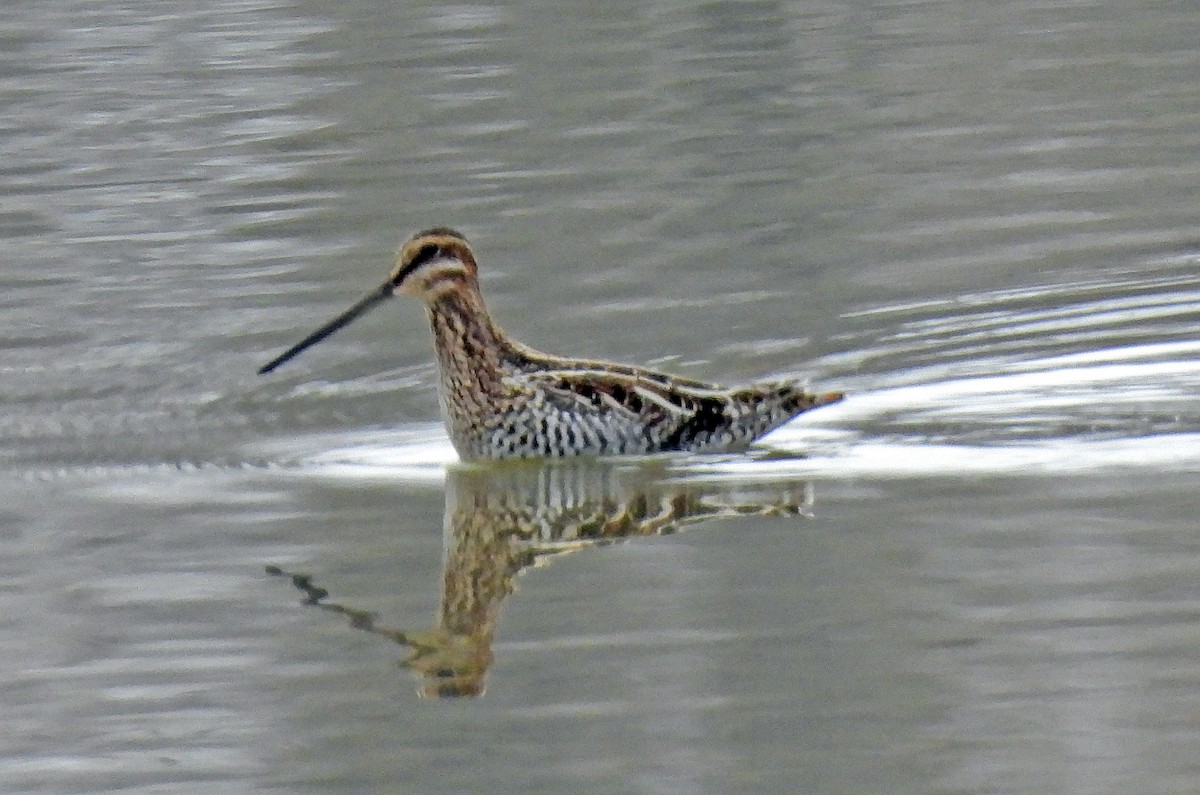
640 395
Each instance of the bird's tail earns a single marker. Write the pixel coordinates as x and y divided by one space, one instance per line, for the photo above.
794 398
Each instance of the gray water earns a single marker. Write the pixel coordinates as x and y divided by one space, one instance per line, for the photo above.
978 574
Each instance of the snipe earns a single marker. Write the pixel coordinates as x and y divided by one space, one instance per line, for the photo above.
502 399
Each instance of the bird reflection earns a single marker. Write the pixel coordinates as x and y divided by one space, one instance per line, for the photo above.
502 520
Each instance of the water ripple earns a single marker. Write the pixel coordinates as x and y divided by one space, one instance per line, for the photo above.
1062 376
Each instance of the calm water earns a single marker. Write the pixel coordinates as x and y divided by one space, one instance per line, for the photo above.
979 574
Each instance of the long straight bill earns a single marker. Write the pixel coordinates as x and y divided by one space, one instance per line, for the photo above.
365 304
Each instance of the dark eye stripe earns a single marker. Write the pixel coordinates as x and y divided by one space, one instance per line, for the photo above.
426 253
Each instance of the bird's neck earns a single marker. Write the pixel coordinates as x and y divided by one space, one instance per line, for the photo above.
473 352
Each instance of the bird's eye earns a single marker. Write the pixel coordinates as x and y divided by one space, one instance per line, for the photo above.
424 254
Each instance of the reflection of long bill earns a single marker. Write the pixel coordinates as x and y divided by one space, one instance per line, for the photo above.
361 307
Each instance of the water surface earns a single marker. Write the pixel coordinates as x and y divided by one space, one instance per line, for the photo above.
977 574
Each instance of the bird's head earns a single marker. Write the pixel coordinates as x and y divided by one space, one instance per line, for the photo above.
432 262
429 265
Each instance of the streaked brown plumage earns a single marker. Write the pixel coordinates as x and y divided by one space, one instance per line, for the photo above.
502 399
